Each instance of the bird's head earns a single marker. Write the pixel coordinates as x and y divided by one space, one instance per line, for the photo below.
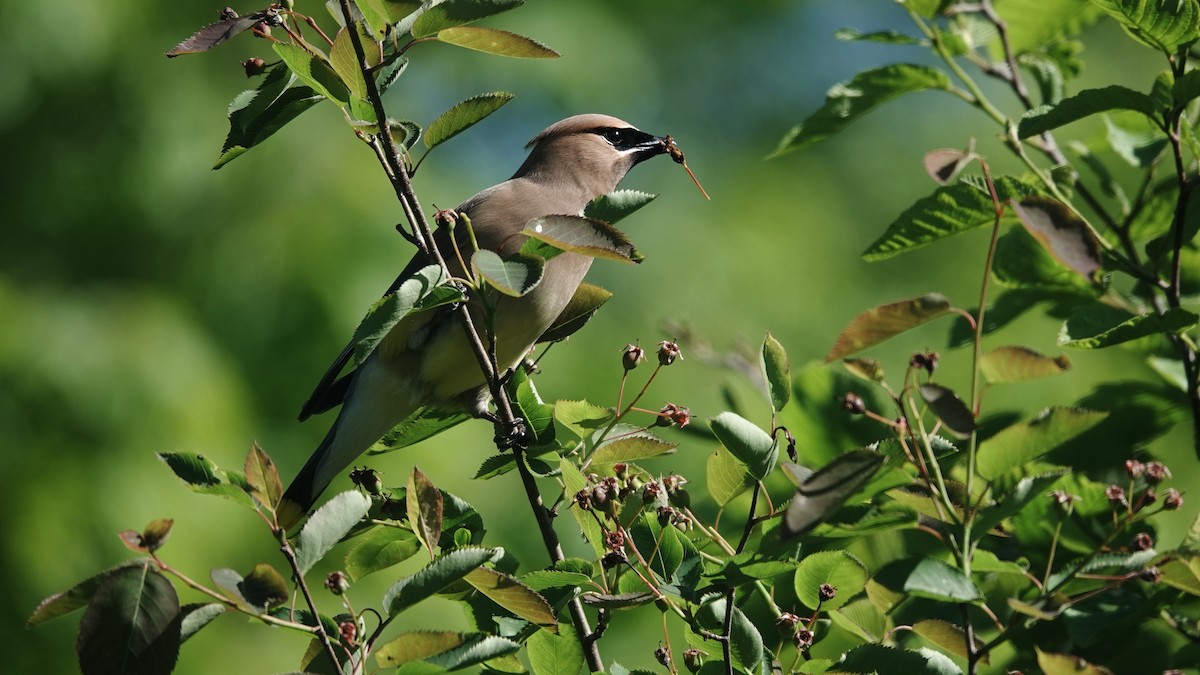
592 151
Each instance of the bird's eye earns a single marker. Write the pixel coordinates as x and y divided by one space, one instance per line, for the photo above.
615 136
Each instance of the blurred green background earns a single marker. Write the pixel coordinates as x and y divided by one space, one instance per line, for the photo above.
151 304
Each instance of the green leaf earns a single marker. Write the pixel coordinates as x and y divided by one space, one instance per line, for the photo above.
837 568
390 309
435 576
632 448
946 636
541 580
1015 363
263 478
1034 24
344 61
951 209
131 625
1136 139
1022 443
1182 573
889 37
726 477
949 408
865 368
514 276
581 417
776 372
585 236
514 596
77 596
1097 325
380 15
1166 25
263 587
1067 664
424 422
1084 104
256 114
327 526
885 321
1022 262
424 506
379 549
463 115
583 305
848 101
477 649
884 660
551 654
617 205
1062 232
821 494
752 446
417 646
201 475
617 601
929 578
457 13
197 615
499 42
538 414
745 642
314 71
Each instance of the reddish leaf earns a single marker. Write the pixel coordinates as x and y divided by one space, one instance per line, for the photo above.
424 509
876 325
1063 233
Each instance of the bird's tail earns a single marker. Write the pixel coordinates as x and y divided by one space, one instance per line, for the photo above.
308 485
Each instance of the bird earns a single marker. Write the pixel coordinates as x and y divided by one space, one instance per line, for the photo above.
425 359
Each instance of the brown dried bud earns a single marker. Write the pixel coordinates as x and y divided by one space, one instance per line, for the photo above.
1134 468
1151 574
620 469
803 639
600 495
227 14
1172 500
827 592
927 361
614 540
1148 498
583 499
693 659
853 403
673 414
349 632
663 656
613 559
632 356
445 218
1156 472
787 620
666 515
682 522
673 482
1143 541
337 582
1063 499
668 351
1116 495
254 66
651 492
367 479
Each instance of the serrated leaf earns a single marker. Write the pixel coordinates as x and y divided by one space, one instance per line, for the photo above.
1012 501
1063 233
822 493
949 408
345 63
749 444
726 477
617 601
463 116
379 549
256 114
540 580
423 423
390 309
1165 25
584 303
197 615
585 236
573 482
416 646
1097 325
457 13
551 654
513 276
951 209
581 417
1022 443
837 568
201 475
216 33
890 37
885 660
435 576
1182 573
514 596
538 415
424 504
865 368
263 478
617 205
632 448
745 641
327 526
848 101
314 71
380 15
1015 363
885 321
498 42
1084 104
477 649
929 578
131 625
776 372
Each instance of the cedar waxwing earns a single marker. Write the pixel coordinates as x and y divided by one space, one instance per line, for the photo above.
425 359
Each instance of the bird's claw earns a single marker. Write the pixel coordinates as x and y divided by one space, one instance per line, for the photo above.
512 435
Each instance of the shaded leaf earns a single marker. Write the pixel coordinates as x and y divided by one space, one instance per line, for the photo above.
77 596
416 646
1064 234
929 578
1097 325
457 13
1022 262
776 372
196 616
1084 104
379 549
215 33
821 494
201 475
744 639
131 625
1182 573
538 415
946 636
617 205
884 660
726 477
256 114
463 115
609 601
264 587
945 164
585 236
424 504
1015 363
573 482
949 408
752 446
1022 443
263 478
581 417
499 42
327 526
391 308
885 321
838 568
584 303
848 101
1165 25
435 576
514 596
513 276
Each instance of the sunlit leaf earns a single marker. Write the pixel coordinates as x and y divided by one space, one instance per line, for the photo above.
423 423
457 13
929 578
890 37
839 569
476 649
379 549
632 448
617 205
416 646
726 477
513 276
256 114
514 596
313 70
947 637
1064 234
1097 325
1053 663
864 367
551 654
1022 443
424 504
498 42
435 576
617 601
345 63
584 303
393 307
1165 25
773 360
197 615
1015 363
573 482
745 641
263 477
585 236
201 475
1182 573
1084 104
885 660
327 526
751 445
463 116
885 321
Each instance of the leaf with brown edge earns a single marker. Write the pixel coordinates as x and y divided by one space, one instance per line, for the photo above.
1015 363
424 502
944 164
263 477
514 596
949 408
150 539
1063 233
885 321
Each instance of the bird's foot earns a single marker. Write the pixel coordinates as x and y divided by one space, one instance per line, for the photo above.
513 434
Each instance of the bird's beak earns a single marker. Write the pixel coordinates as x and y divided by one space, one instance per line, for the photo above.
651 147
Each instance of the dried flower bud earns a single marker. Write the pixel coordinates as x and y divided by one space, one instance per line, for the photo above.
827 592
337 582
927 361
1148 498
803 639
673 482
367 479
651 492
600 495
670 414
254 66
1156 472
445 218
668 351
682 522
693 659
273 17
614 540
1116 495
1151 574
1172 500
787 620
662 656
349 632
583 499
227 14
632 356
1134 468
1063 499
666 515
853 403
1143 542
613 559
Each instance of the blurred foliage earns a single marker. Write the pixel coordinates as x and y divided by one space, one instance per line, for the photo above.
156 305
